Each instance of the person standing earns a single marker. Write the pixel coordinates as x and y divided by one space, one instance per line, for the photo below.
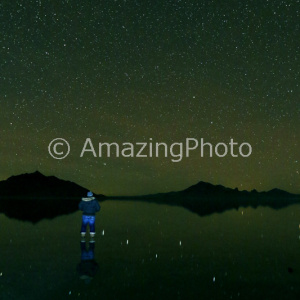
89 206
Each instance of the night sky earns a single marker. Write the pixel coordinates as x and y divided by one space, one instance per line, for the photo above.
128 71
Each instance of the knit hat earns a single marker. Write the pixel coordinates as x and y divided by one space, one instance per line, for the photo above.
90 194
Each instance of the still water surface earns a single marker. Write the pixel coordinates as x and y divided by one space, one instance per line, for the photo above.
151 251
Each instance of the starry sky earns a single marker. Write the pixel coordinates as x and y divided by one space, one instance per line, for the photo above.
128 71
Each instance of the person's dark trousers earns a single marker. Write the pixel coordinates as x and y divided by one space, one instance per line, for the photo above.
88 220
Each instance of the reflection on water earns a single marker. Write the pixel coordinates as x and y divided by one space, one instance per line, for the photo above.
154 251
87 268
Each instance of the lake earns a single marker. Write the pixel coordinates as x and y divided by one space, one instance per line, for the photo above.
152 251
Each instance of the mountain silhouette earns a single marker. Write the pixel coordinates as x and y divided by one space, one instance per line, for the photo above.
35 185
34 196
205 198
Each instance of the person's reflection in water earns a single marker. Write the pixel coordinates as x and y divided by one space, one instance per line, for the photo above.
88 267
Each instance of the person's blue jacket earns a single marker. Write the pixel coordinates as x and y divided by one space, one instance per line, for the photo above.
89 206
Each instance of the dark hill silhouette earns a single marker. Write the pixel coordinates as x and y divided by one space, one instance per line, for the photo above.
205 198
35 185
33 197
